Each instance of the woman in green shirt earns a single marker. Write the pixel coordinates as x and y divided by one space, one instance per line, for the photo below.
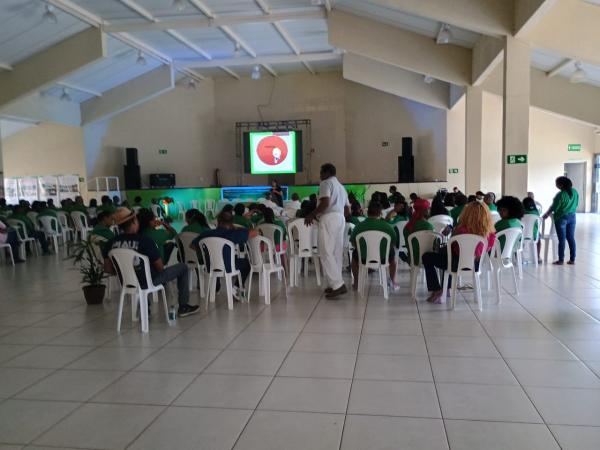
162 237
196 222
511 211
564 207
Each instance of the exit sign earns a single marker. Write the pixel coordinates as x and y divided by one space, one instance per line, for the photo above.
452 170
574 147
516 159
162 151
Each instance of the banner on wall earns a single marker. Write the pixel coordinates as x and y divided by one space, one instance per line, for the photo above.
11 191
28 189
48 188
68 186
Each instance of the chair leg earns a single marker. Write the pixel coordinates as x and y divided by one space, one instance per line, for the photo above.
520 263
498 285
384 281
166 305
414 273
515 281
477 290
285 285
242 288
120 313
317 269
250 285
143 299
266 276
546 244
445 288
229 292
212 288
454 290
134 307
201 280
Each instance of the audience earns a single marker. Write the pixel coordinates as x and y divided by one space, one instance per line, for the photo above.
159 231
417 222
102 228
399 213
20 213
10 237
195 222
460 201
511 211
438 208
239 219
269 217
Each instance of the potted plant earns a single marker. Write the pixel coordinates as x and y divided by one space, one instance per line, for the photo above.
91 268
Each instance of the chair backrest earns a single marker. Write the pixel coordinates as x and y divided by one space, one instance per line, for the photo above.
512 236
400 230
422 241
348 229
372 241
552 233
125 261
529 221
79 220
49 224
209 205
136 209
185 241
272 232
495 216
33 216
254 251
62 218
195 204
538 205
440 222
97 242
156 210
20 226
302 234
467 248
213 247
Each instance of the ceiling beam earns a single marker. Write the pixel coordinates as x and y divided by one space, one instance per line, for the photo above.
128 95
528 13
487 54
76 87
400 48
230 72
261 60
55 63
491 17
559 67
37 108
262 4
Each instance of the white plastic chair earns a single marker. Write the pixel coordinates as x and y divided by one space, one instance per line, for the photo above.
97 242
348 247
440 222
550 238
8 249
51 229
67 231
258 248
495 216
81 224
302 248
467 246
426 240
209 205
502 257
530 241
372 259
400 230
180 211
274 233
33 216
190 258
213 248
195 205
136 209
157 210
125 261
24 238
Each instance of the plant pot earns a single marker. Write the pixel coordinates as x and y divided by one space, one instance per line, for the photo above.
94 295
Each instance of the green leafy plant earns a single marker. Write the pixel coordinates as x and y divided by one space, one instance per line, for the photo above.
83 254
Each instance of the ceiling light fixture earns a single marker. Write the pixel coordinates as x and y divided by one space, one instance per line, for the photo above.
49 15
179 5
66 97
428 79
141 59
192 83
237 51
445 35
579 76
256 74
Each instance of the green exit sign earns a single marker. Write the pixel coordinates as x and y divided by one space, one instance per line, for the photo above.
162 151
574 147
452 170
516 159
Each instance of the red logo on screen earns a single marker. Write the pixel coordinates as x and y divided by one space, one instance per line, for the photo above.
272 150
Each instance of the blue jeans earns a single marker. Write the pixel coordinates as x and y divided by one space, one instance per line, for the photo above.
179 271
565 230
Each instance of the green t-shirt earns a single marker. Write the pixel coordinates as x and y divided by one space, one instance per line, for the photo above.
356 220
420 225
194 228
81 208
456 212
256 218
103 231
110 208
492 207
49 213
373 224
242 221
398 218
563 204
26 220
504 224
160 237
534 212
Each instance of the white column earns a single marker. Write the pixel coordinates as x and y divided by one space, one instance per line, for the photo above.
473 141
515 126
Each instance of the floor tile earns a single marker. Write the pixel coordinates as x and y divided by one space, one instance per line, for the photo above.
252 340
405 327
393 367
307 394
486 402
529 330
577 438
471 370
327 343
149 388
398 433
178 360
71 385
479 435
318 365
13 380
112 358
480 347
562 406
21 421
247 362
100 426
291 431
549 373
336 326
156 338
192 339
33 335
48 357
225 391
392 345
586 350
85 337
533 349
9 351
458 328
394 398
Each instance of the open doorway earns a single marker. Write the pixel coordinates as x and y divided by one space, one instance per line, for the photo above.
576 171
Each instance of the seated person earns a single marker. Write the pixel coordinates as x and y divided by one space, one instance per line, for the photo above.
292 207
312 198
131 238
137 201
21 214
10 237
438 208
196 222
93 210
460 200
102 228
417 222
395 195
257 214
44 211
374 222
479 196
239 219
3 206
50 204
107 205
150 226
227 208
356 213
270 218
511 211
79 206
268 202
399 213
449 200
116 200
239 237
475 219
489 199
471 198
305 209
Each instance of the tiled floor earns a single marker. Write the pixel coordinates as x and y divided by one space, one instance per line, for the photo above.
306 373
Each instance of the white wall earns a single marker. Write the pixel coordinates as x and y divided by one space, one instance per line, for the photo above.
456 138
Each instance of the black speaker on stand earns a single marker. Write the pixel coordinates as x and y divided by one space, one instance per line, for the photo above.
406 162
133 177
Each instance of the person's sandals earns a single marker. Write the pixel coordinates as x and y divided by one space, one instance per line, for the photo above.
336 292
571 263
558 263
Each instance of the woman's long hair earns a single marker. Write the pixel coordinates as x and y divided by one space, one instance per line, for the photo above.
420 207
476 219
195 216
565 184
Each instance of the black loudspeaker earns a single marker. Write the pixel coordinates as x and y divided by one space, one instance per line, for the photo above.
133 177
162 180
131 156
406 162
407 147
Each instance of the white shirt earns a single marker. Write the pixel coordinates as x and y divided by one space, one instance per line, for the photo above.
3 236
338 198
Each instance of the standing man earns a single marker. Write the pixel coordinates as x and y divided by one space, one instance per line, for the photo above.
332 207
